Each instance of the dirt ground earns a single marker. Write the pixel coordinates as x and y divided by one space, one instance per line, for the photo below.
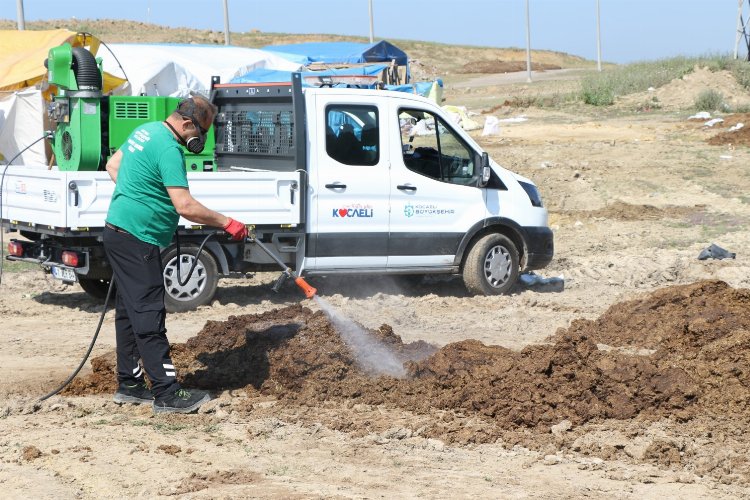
630 381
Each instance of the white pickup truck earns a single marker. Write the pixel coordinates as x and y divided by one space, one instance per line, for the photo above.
334 180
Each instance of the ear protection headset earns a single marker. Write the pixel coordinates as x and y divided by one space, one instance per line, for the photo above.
193 144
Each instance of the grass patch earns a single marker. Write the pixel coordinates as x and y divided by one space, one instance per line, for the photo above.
168 428
541 101
10 266
716 225
709 100
701 228
709 225
602 88
14 266
649 105
280 470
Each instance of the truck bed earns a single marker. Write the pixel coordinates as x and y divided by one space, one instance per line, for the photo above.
79 200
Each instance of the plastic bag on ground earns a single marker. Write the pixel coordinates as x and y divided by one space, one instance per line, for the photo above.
714 251
491 126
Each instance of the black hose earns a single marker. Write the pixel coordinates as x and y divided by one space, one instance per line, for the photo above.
195 261
85 34
86 70
91 346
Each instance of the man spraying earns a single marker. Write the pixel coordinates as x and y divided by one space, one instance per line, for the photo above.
151 193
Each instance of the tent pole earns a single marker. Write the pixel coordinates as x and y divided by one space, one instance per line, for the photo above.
19 14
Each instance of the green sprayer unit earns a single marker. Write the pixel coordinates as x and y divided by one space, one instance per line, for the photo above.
91 126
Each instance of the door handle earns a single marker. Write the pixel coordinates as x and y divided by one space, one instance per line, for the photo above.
73 187
336 185
292 189
406 187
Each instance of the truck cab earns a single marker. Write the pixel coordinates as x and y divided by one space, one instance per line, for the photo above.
396 187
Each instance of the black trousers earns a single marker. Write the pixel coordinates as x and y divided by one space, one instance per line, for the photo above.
139 312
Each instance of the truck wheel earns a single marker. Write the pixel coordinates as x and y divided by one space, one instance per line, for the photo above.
200 288
492 265
96 288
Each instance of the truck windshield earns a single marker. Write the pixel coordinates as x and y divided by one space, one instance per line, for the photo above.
432 148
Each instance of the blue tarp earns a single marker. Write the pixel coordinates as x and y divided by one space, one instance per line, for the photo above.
268 75
341 53
421 88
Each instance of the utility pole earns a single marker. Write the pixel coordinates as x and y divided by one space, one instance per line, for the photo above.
528 44
741 31
226 23
598 39
372 30
19 15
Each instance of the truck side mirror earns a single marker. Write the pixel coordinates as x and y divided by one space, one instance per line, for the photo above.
485 170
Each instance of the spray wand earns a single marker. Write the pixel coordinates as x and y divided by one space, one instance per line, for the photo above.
287 272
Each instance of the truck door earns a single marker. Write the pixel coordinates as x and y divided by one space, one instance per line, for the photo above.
351 186
434 193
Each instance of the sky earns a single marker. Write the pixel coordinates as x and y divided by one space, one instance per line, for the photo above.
631 30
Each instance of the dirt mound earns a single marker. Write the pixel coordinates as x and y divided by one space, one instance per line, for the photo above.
681 93
493 67
679 352
702 330
739 137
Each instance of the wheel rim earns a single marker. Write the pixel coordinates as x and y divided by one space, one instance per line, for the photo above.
194 286
497 266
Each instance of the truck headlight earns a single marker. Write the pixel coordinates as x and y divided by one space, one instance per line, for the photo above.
533 193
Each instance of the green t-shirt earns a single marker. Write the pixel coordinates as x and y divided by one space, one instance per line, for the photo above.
152 160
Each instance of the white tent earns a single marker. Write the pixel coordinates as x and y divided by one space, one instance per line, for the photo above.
21 123
175 70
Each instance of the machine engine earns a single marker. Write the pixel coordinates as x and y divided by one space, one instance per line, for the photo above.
91 126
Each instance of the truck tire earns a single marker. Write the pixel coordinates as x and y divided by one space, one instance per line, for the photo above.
200 288
492 265
96 288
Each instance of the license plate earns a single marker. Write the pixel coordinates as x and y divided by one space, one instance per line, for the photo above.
63 273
